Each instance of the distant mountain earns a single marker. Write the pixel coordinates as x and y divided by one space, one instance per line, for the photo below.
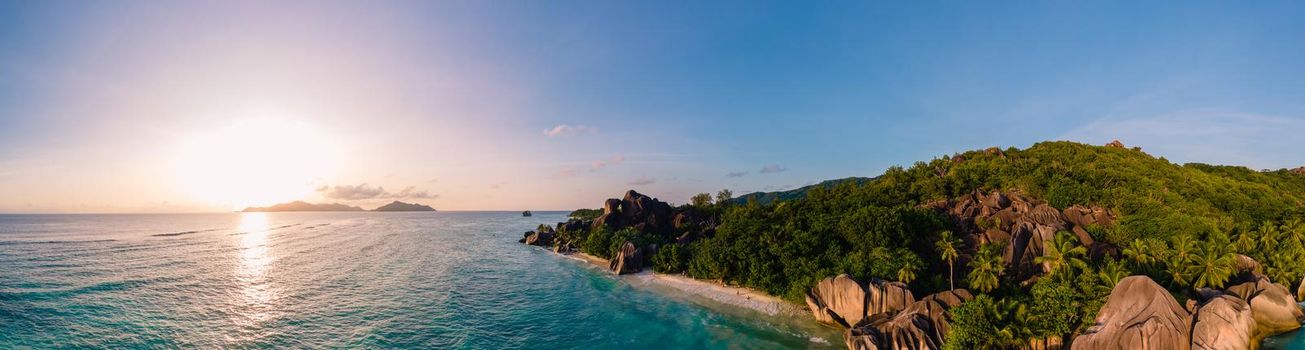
303 206
401 206
769 197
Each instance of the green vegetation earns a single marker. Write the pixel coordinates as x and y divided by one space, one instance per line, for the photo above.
671 258
986 268
585 214
946 248
1182 225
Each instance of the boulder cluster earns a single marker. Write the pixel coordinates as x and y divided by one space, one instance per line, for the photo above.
1023 226
547 236
882 314
1139 314
636 211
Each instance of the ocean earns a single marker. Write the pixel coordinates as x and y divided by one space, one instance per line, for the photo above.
443 280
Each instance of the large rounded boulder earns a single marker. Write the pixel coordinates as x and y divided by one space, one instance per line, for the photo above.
922 325
1272 305
884 297
1300 291
839 300
628 260
1139 314
1223 323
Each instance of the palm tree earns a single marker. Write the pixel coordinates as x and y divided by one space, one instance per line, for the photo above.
1245 242
1211 267
906 274
1294 230
946 246
1269 235
1062 253
1112 272
1183 247
1014 331
986 267
1141 253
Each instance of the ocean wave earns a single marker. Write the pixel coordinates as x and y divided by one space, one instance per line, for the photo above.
172 234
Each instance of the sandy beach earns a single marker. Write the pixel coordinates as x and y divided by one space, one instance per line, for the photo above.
712 291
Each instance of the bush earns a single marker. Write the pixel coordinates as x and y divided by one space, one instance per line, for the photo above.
585 214
671 258
598 243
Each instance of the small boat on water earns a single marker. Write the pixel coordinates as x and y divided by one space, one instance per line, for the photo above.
526 213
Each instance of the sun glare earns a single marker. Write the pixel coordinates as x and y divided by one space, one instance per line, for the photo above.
254 162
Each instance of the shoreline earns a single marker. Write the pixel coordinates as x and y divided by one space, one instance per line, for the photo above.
741 297
738 301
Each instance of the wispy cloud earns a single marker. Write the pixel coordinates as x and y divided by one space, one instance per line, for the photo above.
772 168
351 192
1206 136
602 163
413 192
564 129
365 191
642 181
736 174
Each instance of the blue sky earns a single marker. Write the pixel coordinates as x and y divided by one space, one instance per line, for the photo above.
457 98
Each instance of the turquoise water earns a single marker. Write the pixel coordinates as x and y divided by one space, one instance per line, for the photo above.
1288 341
446 280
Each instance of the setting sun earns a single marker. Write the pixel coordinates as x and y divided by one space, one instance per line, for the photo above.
254 162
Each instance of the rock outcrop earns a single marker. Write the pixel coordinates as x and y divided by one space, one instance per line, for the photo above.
838 300
844 301
1272 305
542 239
1023 225
1300 291
1081 217
922 325
1223 322
1139 314
634 211
644 213
883 297
693 225
628 260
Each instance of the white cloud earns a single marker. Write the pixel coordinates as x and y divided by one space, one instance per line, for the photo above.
602 163
365 191
351 192
564 129
736 174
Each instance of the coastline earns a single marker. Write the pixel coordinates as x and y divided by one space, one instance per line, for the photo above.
739 301
740 297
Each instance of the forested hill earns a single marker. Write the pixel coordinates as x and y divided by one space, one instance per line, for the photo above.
1153 196
1049 230
771 197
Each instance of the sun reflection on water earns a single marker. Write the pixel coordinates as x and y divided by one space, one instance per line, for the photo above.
257 292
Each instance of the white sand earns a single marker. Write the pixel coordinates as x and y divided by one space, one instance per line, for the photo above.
710 290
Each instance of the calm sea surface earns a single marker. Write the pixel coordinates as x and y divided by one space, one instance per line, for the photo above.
438 280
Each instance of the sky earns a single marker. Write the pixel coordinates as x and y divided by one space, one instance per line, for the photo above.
162 106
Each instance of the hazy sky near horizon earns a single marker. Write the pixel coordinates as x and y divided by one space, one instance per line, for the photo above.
158 106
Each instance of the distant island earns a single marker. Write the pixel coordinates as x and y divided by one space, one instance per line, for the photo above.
401 206
305 206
